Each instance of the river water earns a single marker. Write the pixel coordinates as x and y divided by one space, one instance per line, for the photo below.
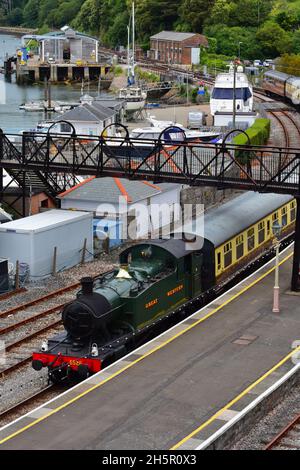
12 119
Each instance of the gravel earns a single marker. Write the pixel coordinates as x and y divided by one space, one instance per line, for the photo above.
261 434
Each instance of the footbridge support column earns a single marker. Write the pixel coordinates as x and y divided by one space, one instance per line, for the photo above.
296 263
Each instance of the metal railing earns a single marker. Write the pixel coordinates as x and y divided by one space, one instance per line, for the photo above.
264 169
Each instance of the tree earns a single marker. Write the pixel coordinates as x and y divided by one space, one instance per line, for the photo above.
15 17
228 39
287 20
31 13
273 39
153 16
195 12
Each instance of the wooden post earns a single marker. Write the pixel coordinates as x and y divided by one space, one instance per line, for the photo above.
54 262
83 251
17 276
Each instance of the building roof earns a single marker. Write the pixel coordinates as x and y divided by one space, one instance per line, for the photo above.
111 103
109 190
57 35
43 221
172 36
94 112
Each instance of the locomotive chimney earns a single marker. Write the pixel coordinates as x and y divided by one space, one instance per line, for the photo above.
87 284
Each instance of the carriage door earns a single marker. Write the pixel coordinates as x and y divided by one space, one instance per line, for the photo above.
196 273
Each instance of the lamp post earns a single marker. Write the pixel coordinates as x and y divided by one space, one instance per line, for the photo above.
240 49
276 229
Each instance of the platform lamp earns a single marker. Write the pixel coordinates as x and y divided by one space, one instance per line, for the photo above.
276 229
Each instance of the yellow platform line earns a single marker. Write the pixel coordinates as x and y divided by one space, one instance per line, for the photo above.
157 348
236 399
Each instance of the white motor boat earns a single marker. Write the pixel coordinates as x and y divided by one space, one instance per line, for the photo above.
202 135
222 96
33 106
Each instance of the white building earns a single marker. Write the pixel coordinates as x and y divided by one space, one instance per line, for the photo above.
32 240
142 207
87 119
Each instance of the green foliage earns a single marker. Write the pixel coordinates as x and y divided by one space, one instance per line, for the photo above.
147 76
117 70
290 64
257 134
266 28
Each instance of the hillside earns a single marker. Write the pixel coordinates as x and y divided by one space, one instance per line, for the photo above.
266 28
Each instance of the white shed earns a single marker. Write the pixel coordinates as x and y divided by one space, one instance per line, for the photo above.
32 240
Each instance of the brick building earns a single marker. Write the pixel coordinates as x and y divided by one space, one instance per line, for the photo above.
177 48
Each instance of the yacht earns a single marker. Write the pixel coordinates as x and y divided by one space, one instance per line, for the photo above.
135 99
134 96
221 100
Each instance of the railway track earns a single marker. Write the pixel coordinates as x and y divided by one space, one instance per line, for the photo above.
25 326
26 405
288 438
288 124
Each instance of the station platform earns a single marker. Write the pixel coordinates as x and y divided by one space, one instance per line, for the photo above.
179 389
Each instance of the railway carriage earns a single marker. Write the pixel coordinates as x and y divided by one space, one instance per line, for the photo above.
157 280
283 85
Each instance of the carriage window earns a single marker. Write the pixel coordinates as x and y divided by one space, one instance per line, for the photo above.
268 228
219 261
251 239
240 246
261 232
275 218
284 216
227 254
293 211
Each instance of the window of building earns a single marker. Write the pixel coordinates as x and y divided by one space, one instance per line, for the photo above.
251 239
45 203
261 232
239 247
227 254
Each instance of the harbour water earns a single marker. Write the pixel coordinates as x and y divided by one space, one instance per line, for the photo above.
12 119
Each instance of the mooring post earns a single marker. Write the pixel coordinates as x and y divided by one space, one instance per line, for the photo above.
295 277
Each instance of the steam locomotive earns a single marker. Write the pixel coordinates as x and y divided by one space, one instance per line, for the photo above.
157 280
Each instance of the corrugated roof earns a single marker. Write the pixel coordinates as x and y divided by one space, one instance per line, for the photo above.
223 223
172 36
110 189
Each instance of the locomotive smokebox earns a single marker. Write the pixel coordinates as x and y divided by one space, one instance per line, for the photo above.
87 285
